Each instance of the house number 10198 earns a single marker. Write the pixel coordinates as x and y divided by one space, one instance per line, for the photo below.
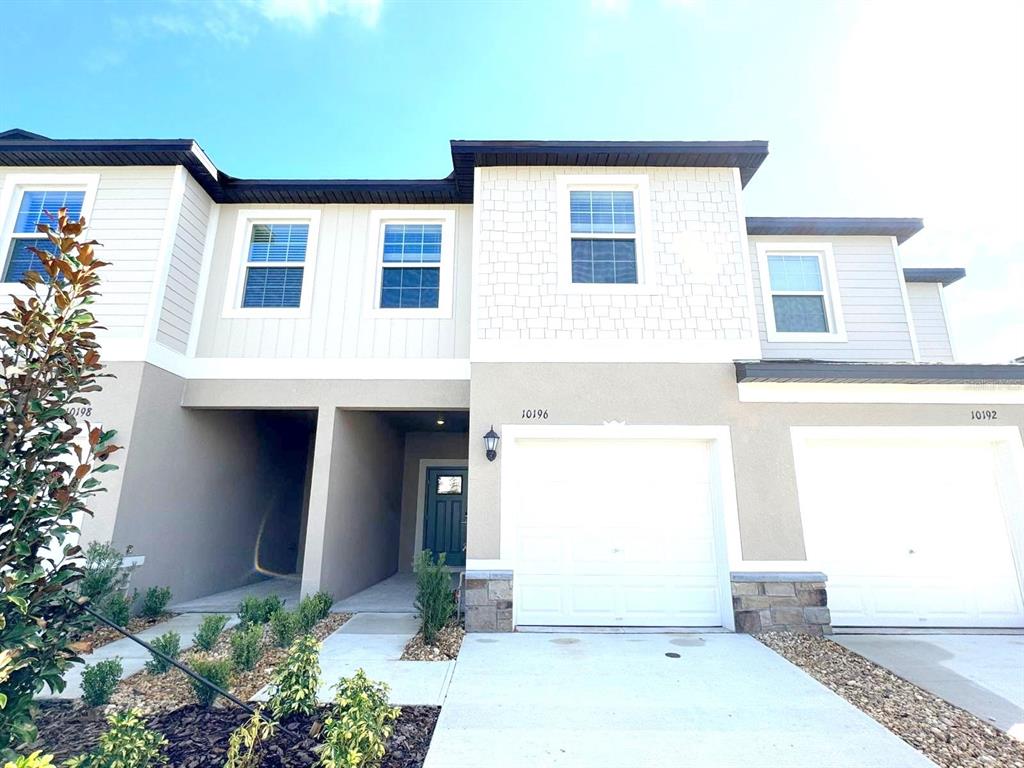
983 416
535 413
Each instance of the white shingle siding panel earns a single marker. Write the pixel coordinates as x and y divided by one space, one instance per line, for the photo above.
930 322
871 299
517 281
183 271
339 324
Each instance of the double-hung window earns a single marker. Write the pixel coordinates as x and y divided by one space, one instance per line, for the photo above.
413 257
603 227
272 263
36 207
801 301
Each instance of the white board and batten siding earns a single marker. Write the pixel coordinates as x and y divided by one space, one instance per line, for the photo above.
184 269
128 219
871 299
340 323
930 322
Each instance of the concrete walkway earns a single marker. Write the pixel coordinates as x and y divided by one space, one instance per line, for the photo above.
133 656
983 674
396 594
374 643
604 701
227 602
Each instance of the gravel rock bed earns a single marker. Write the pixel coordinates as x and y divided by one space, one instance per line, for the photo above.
947 735
449 641
198 737
162 693
103 635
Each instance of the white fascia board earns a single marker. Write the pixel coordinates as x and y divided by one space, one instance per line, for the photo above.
814 392
599 351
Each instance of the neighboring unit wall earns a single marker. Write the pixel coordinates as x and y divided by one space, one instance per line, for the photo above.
186 263
419 446
699 290
364 505
340 323
930 322
871 297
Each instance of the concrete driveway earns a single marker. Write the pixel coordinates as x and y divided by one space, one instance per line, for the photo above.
619 700
983 674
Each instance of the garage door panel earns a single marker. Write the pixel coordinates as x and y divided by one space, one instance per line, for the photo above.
626 537
910 531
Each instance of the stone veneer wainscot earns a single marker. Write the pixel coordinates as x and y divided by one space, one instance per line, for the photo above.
488 601
784 602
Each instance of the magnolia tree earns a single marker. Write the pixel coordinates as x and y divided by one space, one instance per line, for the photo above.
49 363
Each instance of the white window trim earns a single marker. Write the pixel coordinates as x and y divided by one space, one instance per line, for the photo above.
15 185
375 241
239 254
639 185
830 285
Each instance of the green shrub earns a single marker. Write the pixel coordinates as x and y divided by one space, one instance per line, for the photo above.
246 646
118 607
355 734
256 610
297 679
103 572
169 644
217 671
285 626
435 599
209 632
314 609
155 602
128 743
99 681
245 747
36 760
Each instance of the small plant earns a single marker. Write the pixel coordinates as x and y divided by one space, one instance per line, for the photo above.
356 733
217 671
255 610
169 644
104 574
314 609
245 747
118 607
128 743
434 596
36 760
246 646
209 632
297 679
99 681
155 602
285 626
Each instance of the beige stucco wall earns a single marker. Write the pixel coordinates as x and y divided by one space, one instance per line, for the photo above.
379 394
419 446
677 394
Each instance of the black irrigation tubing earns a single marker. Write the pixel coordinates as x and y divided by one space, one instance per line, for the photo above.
194 675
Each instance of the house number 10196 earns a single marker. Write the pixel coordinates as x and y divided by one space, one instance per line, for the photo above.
535 413
983 416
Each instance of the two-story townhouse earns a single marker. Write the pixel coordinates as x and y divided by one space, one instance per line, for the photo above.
577 369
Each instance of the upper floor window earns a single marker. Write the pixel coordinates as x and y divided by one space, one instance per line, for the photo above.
413 255
602 224
800 295
28 200
272 266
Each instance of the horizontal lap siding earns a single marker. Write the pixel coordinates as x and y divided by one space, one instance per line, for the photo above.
930 322
871 298
183 274
339 325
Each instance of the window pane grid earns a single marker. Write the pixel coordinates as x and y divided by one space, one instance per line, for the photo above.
272 287
36 204
794 273
604 261
20 259
410 288
602 212
277 243
412 243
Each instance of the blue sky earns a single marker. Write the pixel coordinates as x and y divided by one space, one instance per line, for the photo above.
888 109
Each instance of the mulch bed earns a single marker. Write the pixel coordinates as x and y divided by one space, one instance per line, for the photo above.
198 737
449 641
103 635
946 734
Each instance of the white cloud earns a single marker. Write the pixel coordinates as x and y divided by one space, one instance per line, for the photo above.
309 13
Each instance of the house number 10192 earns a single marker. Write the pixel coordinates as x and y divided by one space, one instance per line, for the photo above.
535 413
983 416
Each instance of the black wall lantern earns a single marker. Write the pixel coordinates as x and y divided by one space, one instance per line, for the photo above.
491 443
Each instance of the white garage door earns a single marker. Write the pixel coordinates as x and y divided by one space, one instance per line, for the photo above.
615 532
910 532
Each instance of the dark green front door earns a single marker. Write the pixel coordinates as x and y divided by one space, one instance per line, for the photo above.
444 513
